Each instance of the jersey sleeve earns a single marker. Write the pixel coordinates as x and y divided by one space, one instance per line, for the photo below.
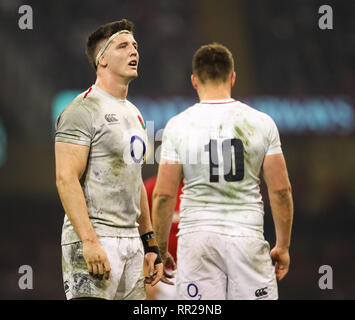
169 148
74 125
274 146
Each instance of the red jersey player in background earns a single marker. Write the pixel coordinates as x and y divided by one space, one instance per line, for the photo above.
163 291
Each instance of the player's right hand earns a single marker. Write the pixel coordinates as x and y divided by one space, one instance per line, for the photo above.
169 263
281 260
96 260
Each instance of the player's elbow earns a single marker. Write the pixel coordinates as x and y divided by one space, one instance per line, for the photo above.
280 189
282 193
161 197
63 179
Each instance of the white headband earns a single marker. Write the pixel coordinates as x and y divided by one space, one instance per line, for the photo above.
102 50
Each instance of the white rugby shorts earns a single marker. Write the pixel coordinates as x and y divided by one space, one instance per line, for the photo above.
126 277
214 266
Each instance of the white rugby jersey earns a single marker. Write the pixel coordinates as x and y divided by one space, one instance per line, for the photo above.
115 132
221 145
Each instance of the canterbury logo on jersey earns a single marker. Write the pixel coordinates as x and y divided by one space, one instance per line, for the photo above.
111 117
261 292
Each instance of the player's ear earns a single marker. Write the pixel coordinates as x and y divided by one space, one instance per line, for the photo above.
194 81
102 61
233 77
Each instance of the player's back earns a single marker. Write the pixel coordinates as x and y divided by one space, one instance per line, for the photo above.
222 145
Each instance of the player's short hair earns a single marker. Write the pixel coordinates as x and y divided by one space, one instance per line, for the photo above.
104 31
212 62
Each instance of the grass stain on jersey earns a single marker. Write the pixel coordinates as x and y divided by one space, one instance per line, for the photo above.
117 163
239 134
243 135
227 193
220 129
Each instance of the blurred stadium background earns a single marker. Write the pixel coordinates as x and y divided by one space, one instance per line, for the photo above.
286 66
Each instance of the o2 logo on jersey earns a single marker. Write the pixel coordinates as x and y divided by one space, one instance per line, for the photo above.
192 291
135 140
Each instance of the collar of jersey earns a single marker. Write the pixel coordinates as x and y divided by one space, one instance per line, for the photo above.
106 94
218 101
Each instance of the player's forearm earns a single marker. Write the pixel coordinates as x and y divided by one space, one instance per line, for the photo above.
282 212
74 204
145 224
163 211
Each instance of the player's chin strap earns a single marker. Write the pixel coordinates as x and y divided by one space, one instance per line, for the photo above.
150 245
104 47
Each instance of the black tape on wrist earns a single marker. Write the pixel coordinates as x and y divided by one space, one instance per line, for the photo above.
150 245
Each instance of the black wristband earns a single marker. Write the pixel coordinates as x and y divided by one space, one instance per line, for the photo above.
150 245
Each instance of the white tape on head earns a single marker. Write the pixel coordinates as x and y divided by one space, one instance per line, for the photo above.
104 47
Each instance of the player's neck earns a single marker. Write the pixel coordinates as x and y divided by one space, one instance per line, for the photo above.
118 89
214 93
214 96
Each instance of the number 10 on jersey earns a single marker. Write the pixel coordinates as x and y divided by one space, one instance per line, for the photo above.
231 173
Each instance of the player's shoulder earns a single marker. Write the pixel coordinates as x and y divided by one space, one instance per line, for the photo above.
183 117
254 114
133 106
85 102
79 107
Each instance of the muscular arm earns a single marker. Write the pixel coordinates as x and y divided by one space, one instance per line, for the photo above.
280 195
164 201
70 165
